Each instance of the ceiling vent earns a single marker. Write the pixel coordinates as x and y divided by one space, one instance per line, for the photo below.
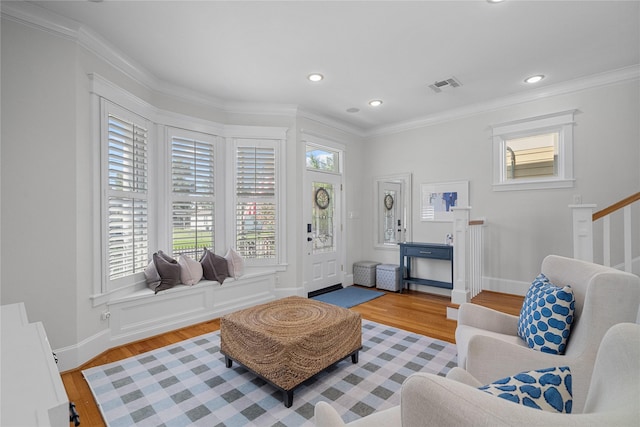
438 87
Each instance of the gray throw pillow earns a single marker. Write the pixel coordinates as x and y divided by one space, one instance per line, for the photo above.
214 267
151 275
168 269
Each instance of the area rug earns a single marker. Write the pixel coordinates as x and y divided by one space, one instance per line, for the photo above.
188 384
348 297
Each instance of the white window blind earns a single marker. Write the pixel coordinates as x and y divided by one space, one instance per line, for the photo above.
127 201
256 201
193 189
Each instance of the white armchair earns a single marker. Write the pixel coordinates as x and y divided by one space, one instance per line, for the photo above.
487 340
430 400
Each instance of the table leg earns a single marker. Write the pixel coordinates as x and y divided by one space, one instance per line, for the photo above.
287 397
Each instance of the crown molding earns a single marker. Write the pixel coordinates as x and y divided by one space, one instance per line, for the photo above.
43 19
590 82
334 123
38 17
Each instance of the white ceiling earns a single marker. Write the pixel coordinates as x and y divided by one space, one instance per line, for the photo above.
262 51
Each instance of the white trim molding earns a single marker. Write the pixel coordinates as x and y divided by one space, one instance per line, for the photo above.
560 123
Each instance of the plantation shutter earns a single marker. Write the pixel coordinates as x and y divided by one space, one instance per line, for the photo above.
192 167
193 188
256 201
127 201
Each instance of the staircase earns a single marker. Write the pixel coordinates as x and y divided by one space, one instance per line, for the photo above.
586 222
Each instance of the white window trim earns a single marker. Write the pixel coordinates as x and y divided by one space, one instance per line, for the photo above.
563 123
167 197
159 120
133 281
277 136
340 154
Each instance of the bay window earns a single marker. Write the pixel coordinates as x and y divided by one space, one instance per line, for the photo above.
178 184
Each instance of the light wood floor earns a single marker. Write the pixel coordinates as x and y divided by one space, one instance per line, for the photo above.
412 311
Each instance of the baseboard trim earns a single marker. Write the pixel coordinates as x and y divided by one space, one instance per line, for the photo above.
505 286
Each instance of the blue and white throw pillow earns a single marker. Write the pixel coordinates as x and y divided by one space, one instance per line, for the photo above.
545 389
546 316
537 282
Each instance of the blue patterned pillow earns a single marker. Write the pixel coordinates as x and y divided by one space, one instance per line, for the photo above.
537 282
546 316
545 389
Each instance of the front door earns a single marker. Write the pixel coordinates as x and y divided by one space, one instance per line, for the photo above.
323 246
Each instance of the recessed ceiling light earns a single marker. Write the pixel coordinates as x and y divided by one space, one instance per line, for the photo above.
534 79
495 1
315 77
375 103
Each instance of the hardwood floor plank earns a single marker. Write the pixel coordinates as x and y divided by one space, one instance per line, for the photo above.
413 311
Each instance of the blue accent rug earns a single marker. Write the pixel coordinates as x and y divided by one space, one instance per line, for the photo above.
348 297
188 384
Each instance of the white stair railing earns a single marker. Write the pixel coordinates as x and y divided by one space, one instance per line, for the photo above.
468 256
476 258
584 219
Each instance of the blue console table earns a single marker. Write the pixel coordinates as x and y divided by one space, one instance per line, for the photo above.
410 250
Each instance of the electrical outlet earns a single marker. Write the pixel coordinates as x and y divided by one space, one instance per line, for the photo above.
577 199
105 315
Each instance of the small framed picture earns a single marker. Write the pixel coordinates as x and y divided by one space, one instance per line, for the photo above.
437 199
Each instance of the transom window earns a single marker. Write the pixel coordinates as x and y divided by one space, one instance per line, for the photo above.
321 159
534 153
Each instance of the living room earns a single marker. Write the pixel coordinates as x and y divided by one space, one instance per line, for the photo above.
52 66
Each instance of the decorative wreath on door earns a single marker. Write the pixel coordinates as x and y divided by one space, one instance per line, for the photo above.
388 201
322 198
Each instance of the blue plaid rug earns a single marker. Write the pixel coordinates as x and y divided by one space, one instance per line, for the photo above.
188 384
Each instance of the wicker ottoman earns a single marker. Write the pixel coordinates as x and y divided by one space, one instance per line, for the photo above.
364 273
286 342
388 277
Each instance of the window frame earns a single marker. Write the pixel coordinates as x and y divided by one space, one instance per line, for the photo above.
562 123
107 108
172 132
273 138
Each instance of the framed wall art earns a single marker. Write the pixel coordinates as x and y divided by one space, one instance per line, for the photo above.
437 199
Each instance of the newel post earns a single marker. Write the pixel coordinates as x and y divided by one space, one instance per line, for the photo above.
583 231
461 292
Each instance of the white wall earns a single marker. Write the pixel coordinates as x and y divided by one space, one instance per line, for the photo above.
523 226
39 178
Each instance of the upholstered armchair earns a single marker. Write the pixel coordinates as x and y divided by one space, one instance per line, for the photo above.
487 340
431 400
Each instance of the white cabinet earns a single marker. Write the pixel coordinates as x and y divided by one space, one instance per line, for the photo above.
33 394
